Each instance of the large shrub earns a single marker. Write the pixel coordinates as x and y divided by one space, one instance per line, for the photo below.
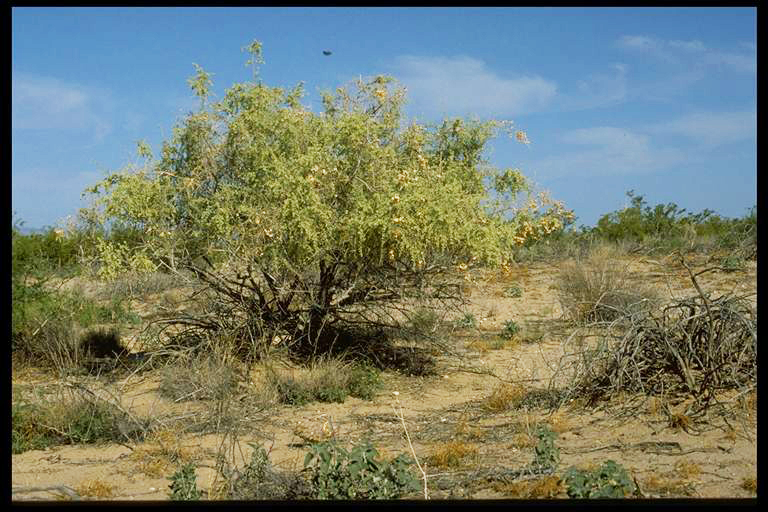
305 223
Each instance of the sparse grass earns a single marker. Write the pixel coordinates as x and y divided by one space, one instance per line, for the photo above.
451 454
512 291
546 487
424 320
509 330
666 485
505 397
163 451
598 289
63 419
203 377
96 488
325 380
466 321
749 484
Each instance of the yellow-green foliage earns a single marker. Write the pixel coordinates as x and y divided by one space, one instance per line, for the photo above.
259 175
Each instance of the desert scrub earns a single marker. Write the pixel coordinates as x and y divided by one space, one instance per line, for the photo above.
359 473
325 380
65 420
424 320
203 377
598 289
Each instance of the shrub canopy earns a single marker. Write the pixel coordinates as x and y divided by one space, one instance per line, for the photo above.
259 183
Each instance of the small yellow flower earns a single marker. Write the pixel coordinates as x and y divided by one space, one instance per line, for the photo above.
521 136
398 220
268 232
395 199
463 267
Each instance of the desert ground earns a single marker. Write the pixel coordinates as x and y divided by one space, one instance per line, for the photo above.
468 444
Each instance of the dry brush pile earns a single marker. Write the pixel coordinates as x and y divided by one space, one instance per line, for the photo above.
693 347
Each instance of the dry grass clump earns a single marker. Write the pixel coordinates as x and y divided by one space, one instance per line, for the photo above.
201 377
687 469
96 488
504 397
467 431
667 485
749 484
451 454
539 488
521 441
599 289
163 452
326 379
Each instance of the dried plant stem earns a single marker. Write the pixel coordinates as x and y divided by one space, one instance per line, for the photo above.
399 414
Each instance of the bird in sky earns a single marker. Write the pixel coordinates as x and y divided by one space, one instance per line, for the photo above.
326 52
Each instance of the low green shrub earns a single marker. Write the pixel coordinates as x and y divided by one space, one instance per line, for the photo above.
184 484
359 473
467 321
610 480
509 330
65 420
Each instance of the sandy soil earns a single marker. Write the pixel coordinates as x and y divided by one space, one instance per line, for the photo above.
437 409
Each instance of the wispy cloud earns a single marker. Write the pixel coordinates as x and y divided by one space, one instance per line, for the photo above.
46 103
607 151
464 85
692 52
711 129
597 90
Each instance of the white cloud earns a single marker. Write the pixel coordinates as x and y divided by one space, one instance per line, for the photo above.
689 46
463 85
45 103
712 128
607 150
598 90
639 43
692 52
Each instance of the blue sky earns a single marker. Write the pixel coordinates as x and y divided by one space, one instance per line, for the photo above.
658 100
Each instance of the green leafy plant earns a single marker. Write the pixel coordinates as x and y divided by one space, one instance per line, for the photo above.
359 473
184 484
732 263
509 330
323 216
364 381
610 480
547 452
512 292
467 321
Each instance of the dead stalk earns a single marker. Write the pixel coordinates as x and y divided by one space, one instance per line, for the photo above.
399 414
